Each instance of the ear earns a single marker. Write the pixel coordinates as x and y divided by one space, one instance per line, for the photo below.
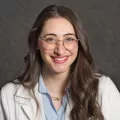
38 44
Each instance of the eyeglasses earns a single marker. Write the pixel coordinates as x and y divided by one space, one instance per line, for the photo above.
52 42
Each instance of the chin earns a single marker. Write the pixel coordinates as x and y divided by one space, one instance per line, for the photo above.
58 70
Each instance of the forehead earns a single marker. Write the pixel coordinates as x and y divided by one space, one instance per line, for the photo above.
58 26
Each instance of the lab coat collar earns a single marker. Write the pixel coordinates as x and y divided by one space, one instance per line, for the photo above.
28 105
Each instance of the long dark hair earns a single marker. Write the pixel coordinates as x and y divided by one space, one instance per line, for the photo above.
84 81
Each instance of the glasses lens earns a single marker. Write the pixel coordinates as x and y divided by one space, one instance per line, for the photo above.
49 43
69 43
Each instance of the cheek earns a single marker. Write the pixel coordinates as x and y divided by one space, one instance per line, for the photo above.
42 49
75 52
44 53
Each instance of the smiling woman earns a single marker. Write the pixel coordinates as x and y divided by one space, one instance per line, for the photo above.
58 47
59 81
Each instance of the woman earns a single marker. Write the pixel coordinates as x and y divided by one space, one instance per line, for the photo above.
59 81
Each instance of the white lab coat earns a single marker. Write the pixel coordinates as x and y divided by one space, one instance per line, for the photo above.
17 104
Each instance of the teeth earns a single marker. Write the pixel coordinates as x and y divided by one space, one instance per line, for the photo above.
60 58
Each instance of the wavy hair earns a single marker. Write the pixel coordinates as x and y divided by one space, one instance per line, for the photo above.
84 81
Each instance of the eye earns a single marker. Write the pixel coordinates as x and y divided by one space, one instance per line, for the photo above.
70 39
50 40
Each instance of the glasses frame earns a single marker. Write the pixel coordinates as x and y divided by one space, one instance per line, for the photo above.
59 41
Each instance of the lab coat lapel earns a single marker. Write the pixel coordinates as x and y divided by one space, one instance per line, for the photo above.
26 109
28 104
22 97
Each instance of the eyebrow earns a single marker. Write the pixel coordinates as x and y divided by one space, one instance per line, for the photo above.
56 35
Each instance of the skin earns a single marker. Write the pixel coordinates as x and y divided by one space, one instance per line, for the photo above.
54 73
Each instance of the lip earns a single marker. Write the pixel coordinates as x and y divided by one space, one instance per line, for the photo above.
60 60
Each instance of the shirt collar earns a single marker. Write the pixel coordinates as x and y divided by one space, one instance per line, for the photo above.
42 88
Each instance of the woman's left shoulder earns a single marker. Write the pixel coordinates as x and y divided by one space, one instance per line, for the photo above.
106 84
104 80
107 90
109 98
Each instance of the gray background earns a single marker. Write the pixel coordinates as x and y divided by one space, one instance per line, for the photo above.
101 18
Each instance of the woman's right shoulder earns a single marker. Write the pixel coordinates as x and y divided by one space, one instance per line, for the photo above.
10 88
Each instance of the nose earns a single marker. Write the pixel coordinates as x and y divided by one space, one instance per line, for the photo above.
60 49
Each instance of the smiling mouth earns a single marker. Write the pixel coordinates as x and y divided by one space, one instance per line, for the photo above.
59 60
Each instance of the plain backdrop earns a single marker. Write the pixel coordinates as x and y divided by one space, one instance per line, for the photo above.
101 19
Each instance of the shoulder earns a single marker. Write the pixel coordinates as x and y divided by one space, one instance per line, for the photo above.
109 98
104 81
9 89
106 85
15 89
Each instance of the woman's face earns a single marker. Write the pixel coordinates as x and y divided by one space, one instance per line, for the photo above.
59 59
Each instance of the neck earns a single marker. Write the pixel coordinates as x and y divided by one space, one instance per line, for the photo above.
55 82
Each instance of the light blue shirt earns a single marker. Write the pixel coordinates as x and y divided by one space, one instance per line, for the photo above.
49 109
